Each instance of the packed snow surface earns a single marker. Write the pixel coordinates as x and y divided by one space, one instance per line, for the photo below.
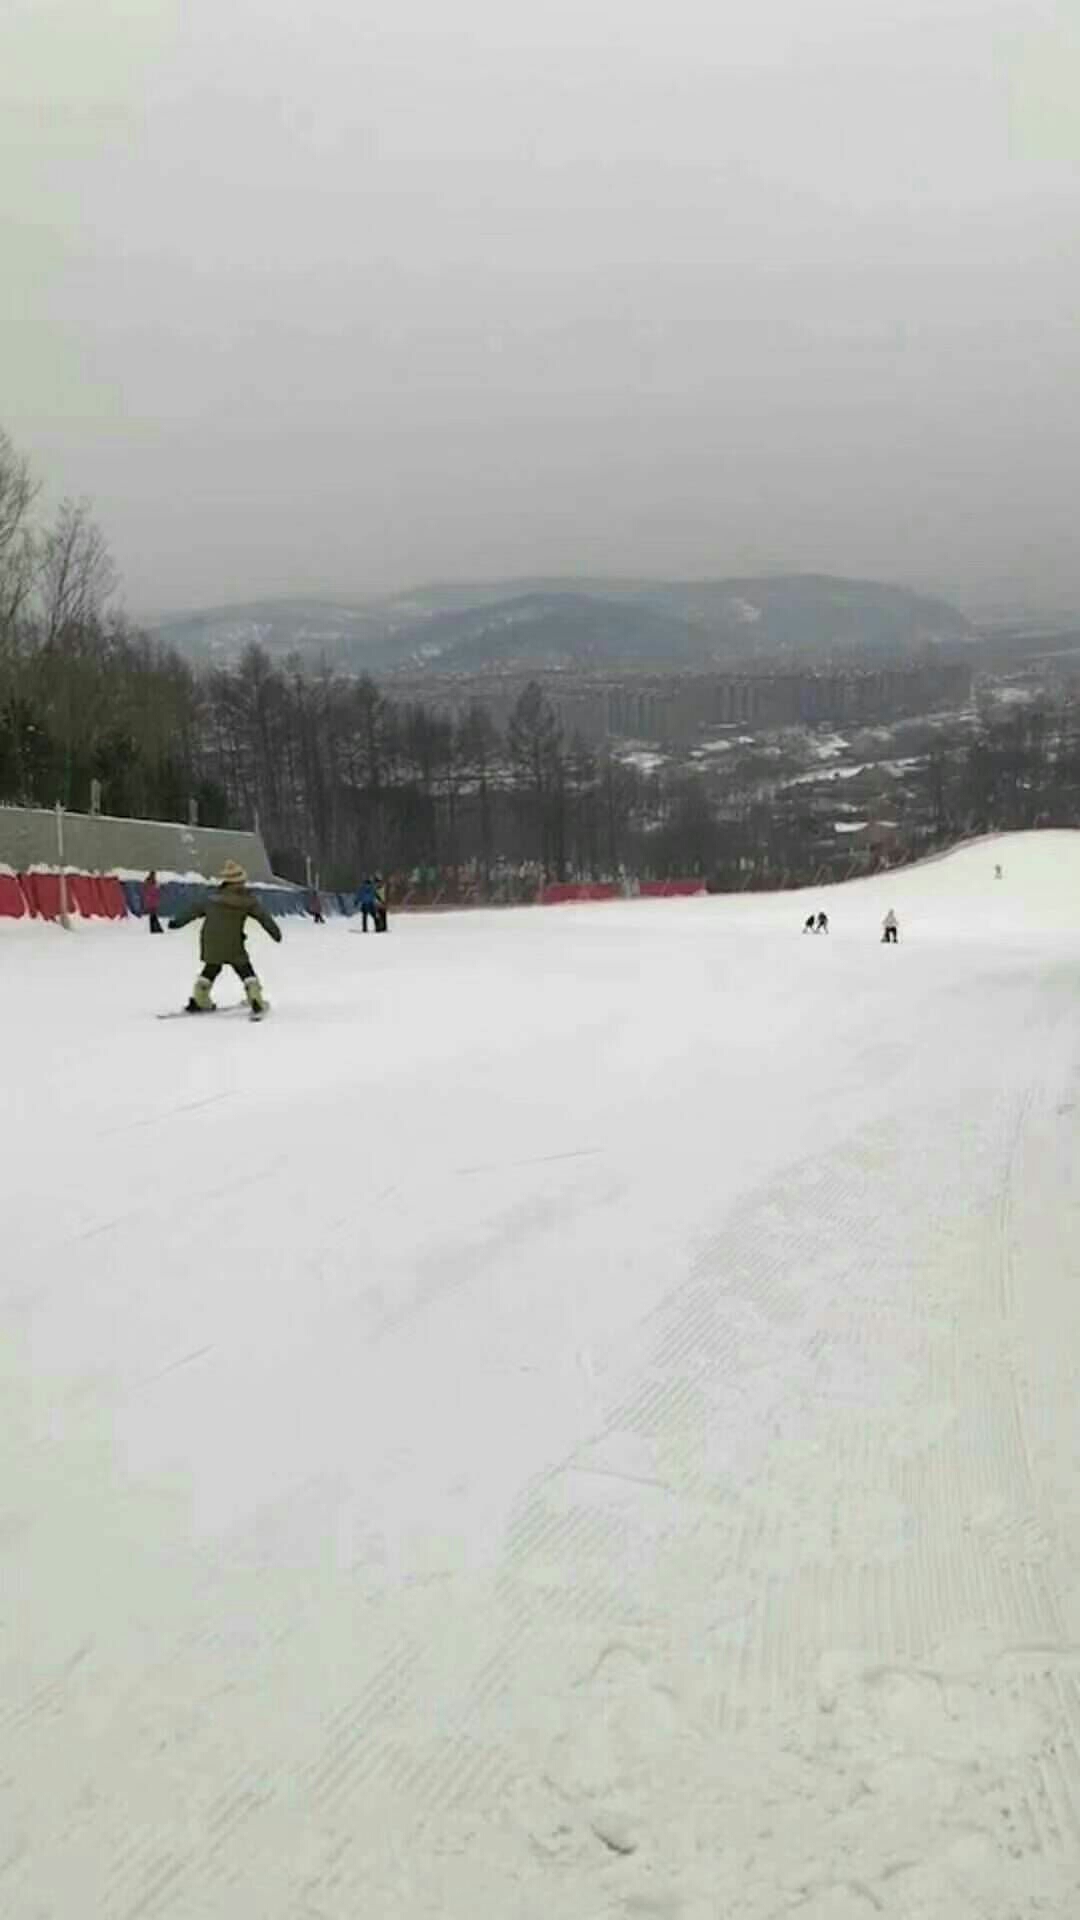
574 1417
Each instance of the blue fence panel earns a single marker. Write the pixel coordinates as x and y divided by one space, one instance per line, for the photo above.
177 894
281 901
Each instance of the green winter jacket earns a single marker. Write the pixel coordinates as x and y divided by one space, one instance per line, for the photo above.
224 915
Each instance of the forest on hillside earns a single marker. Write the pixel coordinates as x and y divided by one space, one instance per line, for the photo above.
333 770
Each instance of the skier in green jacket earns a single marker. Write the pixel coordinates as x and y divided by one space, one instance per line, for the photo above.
224 915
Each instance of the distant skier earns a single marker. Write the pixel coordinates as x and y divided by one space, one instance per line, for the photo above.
810 924
315 908
999 873
822 923
151 901
224 915
365 900
380 904
890 926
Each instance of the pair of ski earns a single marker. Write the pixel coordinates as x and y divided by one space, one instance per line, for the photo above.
189 1013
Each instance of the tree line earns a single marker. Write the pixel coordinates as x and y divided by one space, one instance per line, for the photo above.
85 697
335 771
327 765
334 767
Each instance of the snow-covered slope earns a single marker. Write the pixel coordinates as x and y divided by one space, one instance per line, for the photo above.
574 1417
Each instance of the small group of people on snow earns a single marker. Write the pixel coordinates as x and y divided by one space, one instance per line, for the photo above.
890 926
371 900
226 911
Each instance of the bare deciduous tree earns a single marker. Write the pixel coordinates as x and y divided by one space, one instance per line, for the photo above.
76 574
534 743
18 491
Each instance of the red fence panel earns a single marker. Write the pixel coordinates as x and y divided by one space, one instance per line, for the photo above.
12 903
42 891
82 894
558 892
113 899
96 896
671 889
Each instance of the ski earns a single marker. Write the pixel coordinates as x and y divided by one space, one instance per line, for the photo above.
184 1013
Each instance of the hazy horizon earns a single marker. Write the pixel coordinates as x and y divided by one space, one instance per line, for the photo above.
332 307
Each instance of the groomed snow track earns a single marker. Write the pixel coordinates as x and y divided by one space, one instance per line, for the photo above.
574 1418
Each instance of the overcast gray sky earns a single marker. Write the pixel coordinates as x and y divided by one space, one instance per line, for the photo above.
348 294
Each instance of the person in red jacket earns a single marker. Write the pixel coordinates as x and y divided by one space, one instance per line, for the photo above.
151 900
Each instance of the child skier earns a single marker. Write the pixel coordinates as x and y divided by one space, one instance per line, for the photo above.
890 929
224 916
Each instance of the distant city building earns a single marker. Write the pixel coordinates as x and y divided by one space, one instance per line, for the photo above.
674 710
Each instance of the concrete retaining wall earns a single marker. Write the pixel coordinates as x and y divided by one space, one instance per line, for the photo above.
100 843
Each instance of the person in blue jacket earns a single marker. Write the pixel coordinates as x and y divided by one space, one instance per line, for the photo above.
367 902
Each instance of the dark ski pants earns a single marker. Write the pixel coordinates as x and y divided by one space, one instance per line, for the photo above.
155 924
366 914
243 969
891 936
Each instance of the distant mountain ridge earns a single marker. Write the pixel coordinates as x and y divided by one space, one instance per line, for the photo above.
583 623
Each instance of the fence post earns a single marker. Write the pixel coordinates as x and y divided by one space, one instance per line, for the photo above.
65 918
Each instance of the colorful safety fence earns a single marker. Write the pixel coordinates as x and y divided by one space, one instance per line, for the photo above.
102 896
559 892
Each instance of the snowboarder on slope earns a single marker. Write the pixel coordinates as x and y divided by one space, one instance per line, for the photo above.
224 915
890 929
151 901
822 923
810 925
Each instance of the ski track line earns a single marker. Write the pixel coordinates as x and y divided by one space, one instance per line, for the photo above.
562 1549
537 1215
938 1590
